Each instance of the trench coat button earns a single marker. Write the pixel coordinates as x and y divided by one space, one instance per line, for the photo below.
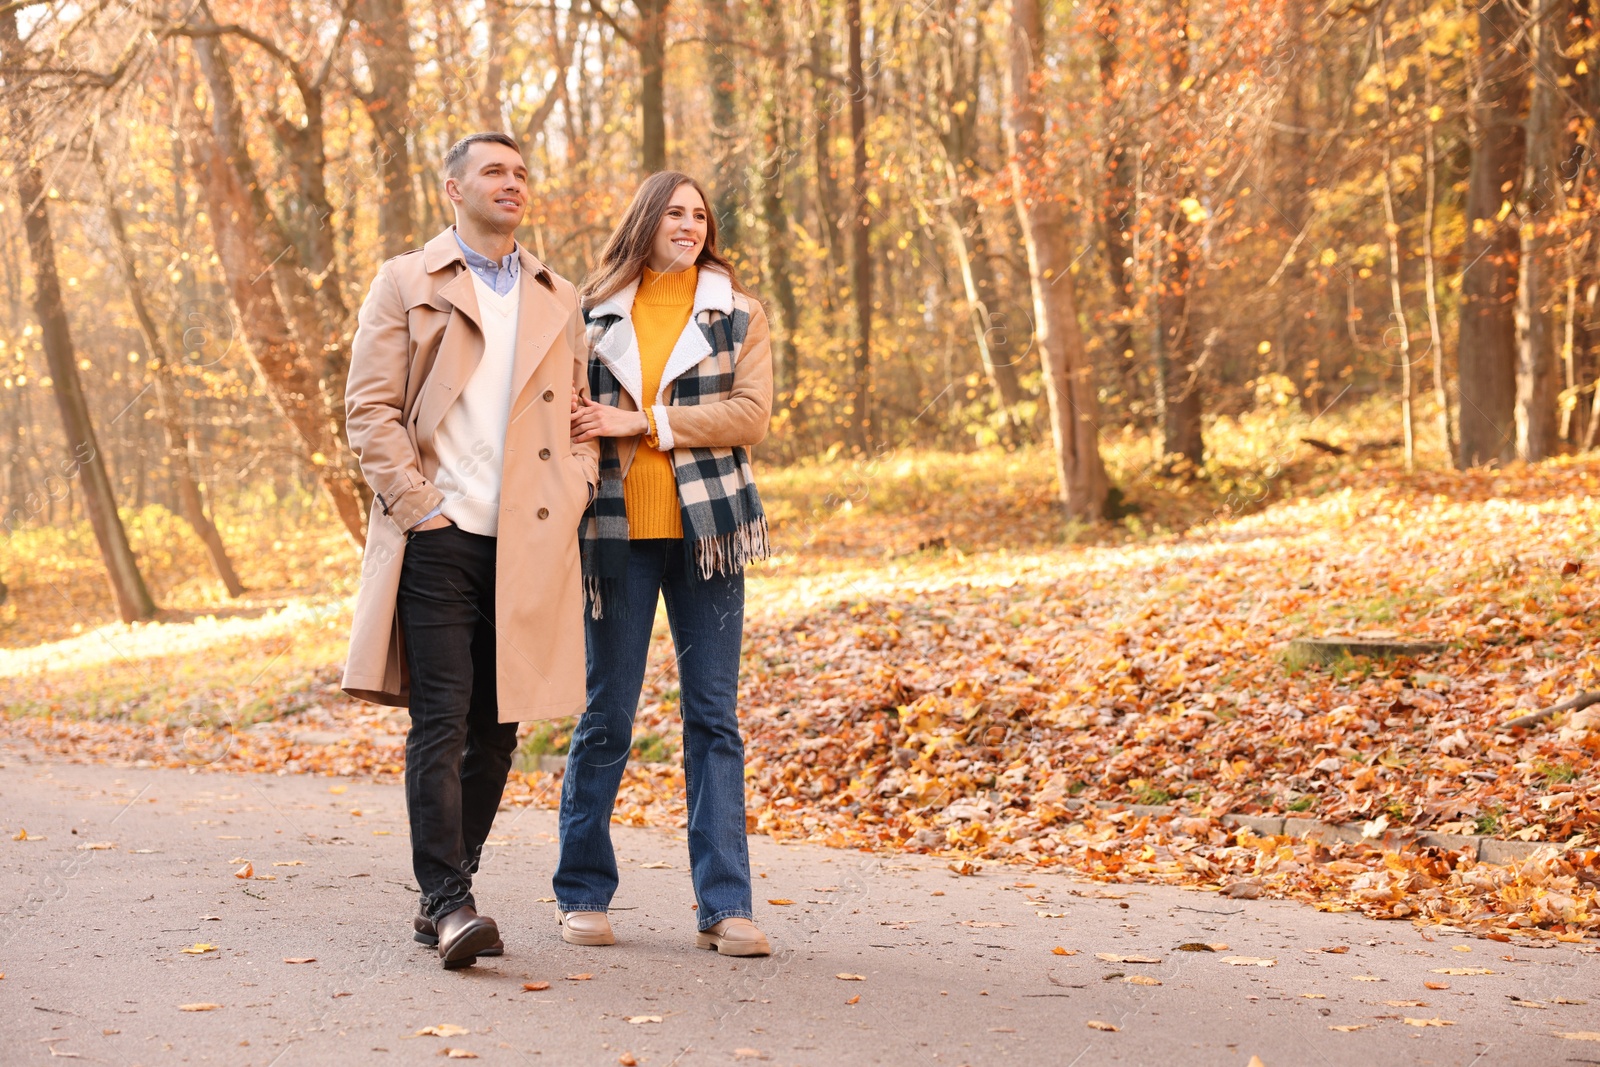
549 394
544 453
544 513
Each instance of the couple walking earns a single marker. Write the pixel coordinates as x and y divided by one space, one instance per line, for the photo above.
545 463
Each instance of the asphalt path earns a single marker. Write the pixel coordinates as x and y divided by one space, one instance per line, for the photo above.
127 906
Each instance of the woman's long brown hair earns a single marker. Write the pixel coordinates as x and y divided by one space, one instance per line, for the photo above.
627 250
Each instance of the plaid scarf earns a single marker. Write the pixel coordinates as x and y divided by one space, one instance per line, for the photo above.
724 526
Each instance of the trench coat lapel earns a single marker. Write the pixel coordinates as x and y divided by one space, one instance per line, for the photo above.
461 349
540 320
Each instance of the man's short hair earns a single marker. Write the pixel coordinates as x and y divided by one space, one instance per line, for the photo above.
455 160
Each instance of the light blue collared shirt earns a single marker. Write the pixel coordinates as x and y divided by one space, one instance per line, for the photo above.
501 276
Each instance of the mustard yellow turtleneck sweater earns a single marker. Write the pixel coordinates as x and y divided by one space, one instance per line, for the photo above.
661 310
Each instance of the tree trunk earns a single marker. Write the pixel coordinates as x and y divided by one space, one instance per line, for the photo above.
286 318
180 443
1391 229
822 109
1441 393
652 36
1488 346
1178 369
858 398
958 102
774 167
490 98
293 389
724 85
1116 196
1542 196
385 41
122 569
1068 373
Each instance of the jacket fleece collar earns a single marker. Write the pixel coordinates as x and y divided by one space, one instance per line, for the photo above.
619 347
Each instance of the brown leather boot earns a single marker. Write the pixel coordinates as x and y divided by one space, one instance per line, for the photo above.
423 933
463 937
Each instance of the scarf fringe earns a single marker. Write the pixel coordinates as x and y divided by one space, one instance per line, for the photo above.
729 552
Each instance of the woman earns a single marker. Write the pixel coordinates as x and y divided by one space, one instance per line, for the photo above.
680 373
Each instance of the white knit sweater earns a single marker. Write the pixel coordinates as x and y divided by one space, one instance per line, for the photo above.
471 438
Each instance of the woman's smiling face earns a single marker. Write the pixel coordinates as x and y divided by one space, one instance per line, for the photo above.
681 233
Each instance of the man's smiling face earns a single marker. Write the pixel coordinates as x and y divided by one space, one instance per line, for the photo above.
493 187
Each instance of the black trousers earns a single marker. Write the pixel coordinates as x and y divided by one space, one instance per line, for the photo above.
457 751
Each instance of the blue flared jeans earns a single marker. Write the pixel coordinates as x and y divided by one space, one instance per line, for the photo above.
706 616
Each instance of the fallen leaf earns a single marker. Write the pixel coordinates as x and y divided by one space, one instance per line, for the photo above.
1460 948
266 878
1436 985
457 1054
1096 1024
337 789
299 959
1060 951
443 1030
247 871
976 925
748 1053
1570 567
1112 957
535 987
1581 1035
847 977
780 901
1315 996
1250 961
1457 971
656 866
1406 1003
1521 1003
20 835
96 846
627 1060
1365 978
855 999
198 1007
1140 979
199 948
1553 1000
288 863
1428 1022
1255 1061
1243 890
579 977
1051 914
1337 950
1349 1027
966 868
640 1020
1195 946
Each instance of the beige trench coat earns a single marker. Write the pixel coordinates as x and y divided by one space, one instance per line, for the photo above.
417 341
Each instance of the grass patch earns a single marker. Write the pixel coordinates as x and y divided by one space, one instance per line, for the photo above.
1555 773
652 748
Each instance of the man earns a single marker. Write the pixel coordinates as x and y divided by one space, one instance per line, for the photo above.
466 358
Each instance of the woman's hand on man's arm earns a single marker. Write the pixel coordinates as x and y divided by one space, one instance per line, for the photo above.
591 420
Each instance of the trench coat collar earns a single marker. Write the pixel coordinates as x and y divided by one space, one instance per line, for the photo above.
541 316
